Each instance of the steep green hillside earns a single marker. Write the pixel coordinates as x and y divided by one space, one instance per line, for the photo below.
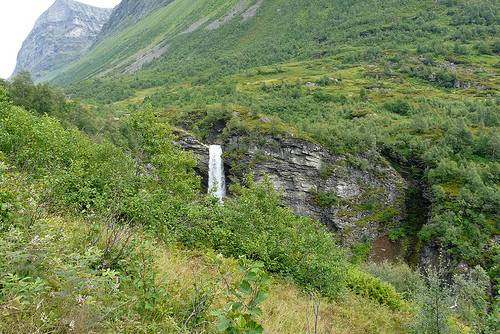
154 34
285 30
128 12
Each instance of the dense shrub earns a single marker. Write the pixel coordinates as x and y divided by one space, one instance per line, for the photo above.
103 91
488 145
369 286
459 138
13 198
471 289
400 107
405 280
88 176
83 175
325 198
253 223
483 12
433 306
39 98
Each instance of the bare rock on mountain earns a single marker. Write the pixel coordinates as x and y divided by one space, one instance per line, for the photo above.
60 35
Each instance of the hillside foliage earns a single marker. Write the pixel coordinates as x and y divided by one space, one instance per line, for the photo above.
102 215
60 188
413 80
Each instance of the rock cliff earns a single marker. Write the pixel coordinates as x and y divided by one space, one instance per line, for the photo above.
60 35
360 197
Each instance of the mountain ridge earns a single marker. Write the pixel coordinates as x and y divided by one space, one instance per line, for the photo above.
171 21
60 35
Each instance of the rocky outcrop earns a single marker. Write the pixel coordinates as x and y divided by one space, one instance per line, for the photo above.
60 35
238 8
360 198
252 10
200 150
144 57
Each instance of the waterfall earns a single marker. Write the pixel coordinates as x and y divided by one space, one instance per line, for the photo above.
216 178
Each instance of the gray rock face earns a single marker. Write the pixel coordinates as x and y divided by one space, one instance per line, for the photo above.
200 150
59 36
359 203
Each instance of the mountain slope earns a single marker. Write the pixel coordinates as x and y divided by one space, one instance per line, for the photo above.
129 12
129 49
217 37
59 36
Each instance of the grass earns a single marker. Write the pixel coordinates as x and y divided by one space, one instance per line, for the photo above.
180 274
288 310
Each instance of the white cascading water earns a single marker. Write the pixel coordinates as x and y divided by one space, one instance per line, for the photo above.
216 177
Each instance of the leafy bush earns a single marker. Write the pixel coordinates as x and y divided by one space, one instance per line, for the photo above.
369 286
405 280
92 177
481 12
240 314
360 252
471 289
10 201
433 306
325 198
254 224
39 98
459 138
483 48
488 145
399 107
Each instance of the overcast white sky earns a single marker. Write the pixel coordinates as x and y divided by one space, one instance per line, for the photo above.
17 17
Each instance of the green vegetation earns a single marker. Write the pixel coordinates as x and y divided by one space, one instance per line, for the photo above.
240 314
367 285
110 213
254 224
325 198
413 81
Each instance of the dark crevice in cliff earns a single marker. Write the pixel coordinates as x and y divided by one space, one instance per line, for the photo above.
417 204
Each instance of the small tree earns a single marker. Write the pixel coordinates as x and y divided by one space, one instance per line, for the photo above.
433 306
471 296
240 314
